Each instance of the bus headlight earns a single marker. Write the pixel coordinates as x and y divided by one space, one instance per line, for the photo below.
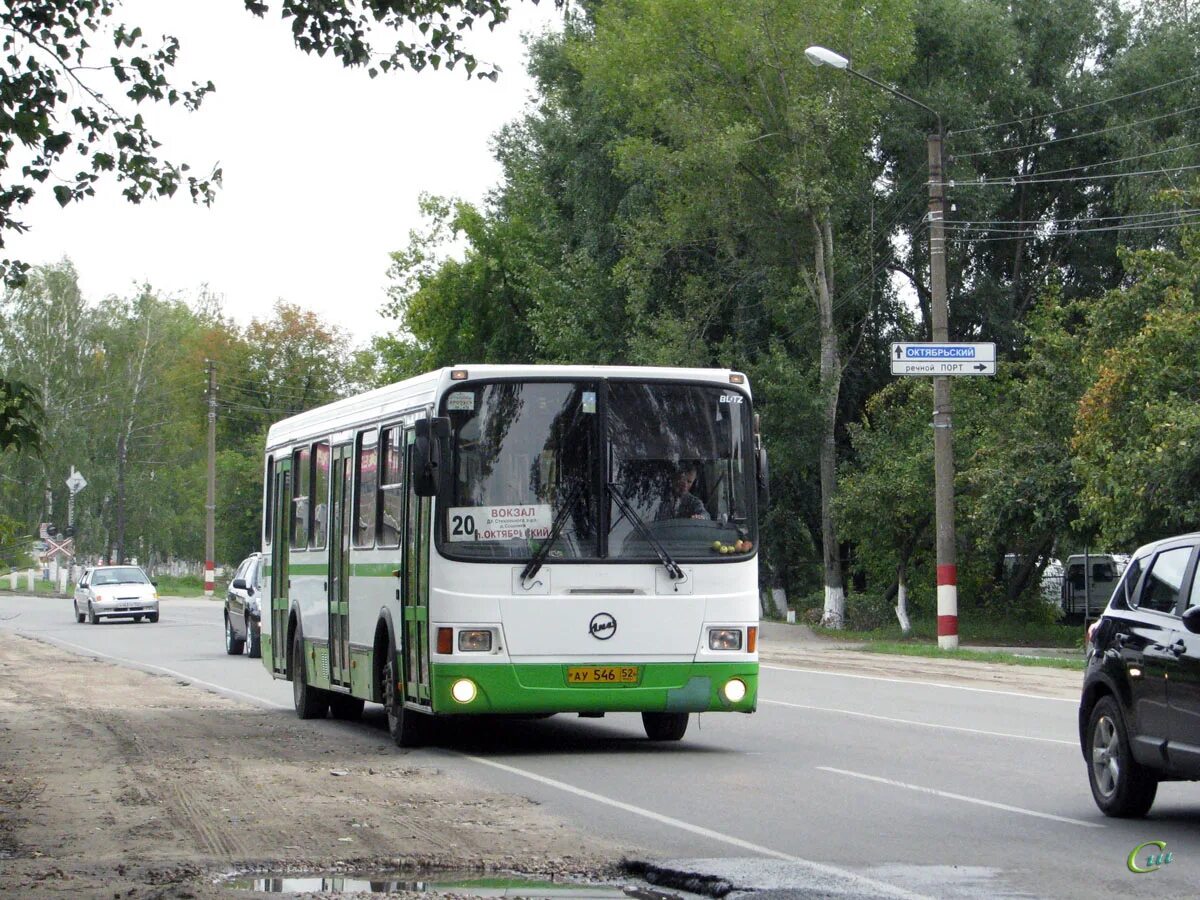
724 639
463 690
735 690
475 640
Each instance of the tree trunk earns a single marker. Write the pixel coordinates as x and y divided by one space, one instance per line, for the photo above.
822 289
902 598
119 536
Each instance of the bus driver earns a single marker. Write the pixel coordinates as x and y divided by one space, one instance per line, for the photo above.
682 503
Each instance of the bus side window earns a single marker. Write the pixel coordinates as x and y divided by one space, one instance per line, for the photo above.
269 500
391 486
320 495
367 490
300 511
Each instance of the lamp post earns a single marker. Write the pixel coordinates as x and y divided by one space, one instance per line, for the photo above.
943 448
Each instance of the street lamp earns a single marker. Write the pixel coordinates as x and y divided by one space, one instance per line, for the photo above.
943 448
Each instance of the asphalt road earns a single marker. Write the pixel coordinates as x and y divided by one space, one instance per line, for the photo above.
839 785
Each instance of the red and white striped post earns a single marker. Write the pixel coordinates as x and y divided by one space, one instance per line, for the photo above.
943 442
210 506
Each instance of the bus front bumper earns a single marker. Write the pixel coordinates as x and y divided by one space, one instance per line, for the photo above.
546 688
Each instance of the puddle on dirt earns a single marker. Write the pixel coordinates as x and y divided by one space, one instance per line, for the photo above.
460 885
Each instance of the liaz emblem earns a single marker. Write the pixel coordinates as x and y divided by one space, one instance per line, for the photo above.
602 627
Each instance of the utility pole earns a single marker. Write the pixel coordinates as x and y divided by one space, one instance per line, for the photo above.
943 436
943 445
210 506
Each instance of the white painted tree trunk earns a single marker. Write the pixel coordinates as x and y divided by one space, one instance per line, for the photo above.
902 600
835 607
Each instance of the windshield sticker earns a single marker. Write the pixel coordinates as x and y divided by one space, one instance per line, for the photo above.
588 401
498 523
461 401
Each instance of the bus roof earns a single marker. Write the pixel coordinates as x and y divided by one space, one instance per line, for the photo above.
423 390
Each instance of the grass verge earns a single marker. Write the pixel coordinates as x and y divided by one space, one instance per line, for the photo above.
898 648
184 586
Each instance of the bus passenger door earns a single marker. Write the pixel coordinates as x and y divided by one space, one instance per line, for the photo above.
416 586
339 567
281 516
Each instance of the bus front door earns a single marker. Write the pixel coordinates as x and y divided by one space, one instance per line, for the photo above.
339 568
416 588
281 514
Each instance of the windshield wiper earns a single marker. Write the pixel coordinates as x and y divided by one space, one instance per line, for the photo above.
639 526
534 564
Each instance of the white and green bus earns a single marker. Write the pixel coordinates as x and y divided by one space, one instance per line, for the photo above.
512 540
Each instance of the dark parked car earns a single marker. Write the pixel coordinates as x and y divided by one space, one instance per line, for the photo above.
1139 717
243 608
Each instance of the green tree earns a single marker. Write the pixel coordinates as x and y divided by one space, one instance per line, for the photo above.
754 160
1137 431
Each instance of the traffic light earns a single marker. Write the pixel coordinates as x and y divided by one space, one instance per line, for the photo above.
69 531
52 530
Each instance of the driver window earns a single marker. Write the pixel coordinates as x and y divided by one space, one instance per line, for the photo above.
1163 581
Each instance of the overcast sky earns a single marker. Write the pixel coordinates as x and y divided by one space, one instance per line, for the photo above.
322 168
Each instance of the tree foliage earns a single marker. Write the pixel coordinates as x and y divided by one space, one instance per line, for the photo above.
122 387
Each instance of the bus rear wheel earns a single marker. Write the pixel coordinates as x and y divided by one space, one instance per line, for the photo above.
310 702
405 726
665 726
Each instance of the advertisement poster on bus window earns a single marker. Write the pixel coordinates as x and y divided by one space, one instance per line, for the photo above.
515 521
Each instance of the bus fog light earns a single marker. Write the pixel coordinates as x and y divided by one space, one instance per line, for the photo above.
725 639
476 640
463 690
735 690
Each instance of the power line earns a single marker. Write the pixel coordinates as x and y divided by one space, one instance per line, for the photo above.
1112 162
1058 112
1152 215
1074 137
1014 180
965 235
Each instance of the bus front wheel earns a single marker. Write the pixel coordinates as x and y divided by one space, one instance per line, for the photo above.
311 702
405 726
665 726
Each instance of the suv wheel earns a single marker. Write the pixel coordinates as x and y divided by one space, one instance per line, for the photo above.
253 640
1122 786
233 644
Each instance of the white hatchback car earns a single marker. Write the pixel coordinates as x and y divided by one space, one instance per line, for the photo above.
114 592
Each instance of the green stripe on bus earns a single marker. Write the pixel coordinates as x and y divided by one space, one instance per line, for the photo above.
543 688
359 570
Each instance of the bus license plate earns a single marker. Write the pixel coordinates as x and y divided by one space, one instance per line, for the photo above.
603 674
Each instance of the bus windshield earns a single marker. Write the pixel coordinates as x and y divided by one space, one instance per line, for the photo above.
617 466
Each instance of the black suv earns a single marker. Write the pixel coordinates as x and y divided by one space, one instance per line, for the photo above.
1139 717
243 608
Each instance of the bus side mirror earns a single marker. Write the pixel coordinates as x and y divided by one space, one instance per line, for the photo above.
432 437
764 477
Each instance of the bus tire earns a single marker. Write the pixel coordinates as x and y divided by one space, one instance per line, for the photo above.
310 702
405 726
345 707
664 726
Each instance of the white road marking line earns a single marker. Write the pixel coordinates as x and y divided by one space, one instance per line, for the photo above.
859 880
965 799
863 715
134 664
938 684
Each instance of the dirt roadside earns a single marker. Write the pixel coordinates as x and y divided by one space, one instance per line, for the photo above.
116 783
